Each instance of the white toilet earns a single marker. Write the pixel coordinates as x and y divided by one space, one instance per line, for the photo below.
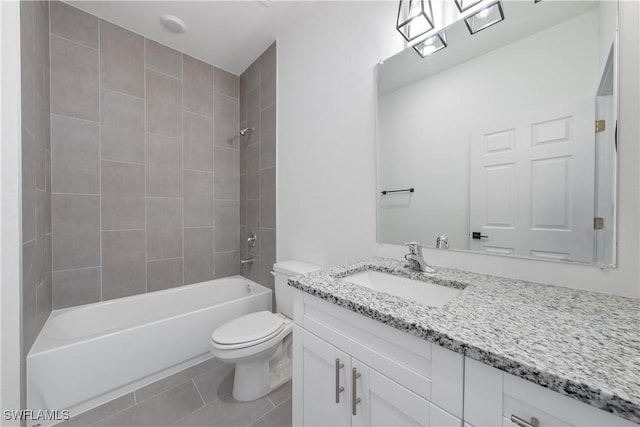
260 343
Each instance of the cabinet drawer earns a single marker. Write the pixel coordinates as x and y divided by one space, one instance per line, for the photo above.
492 397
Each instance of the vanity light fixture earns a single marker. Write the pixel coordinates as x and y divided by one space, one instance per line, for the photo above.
414 18
464 5
485 18
431 44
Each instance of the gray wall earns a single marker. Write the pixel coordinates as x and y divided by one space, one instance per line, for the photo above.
36 164
258 165
145 163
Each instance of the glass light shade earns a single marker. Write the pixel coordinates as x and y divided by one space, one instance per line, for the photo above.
466 4
490 15
415 17
431 44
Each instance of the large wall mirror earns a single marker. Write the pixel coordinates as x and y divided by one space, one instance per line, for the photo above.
505 140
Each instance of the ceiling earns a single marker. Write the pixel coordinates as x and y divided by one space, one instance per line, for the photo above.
229 34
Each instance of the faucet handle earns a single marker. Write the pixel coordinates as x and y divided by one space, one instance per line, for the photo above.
414 247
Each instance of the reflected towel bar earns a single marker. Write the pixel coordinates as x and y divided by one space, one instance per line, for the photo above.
408 190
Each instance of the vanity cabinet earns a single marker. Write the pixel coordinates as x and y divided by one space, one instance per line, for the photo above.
349 370
495 398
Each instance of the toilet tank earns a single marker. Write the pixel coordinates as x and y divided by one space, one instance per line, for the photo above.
284 293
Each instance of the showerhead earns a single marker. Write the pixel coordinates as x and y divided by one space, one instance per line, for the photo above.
244 131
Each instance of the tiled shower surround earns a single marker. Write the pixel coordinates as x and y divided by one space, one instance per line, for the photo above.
258 166
36 164
145 159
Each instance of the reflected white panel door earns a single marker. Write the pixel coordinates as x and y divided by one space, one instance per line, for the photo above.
532 184
383 402
321 405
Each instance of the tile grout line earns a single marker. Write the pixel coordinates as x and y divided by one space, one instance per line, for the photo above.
197 113
164 74
271 401
159 134
95 122
52 34
175 423
73 269
198 390
74 194
263 415
123 93
163 259
120 161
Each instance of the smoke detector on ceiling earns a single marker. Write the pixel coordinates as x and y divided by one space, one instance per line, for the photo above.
173 23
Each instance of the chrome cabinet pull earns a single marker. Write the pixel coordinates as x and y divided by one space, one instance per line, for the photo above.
354 394
338 388
522 423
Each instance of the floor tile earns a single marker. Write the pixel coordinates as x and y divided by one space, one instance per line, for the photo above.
100 412
280 394
214 384
228 412
150 390
161 410
278 417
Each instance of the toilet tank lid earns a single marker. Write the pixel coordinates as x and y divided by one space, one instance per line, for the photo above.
293 267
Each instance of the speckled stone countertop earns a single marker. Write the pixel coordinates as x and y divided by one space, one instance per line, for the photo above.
582 344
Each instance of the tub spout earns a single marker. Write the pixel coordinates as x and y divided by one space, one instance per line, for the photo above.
247 261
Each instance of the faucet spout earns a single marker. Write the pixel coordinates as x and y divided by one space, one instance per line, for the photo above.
416 260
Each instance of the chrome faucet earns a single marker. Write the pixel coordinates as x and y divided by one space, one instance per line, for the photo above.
416 261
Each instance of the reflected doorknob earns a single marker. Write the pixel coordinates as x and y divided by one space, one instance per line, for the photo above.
477 235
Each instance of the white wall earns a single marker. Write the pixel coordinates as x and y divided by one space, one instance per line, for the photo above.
326 132
10 203
424 127
326 149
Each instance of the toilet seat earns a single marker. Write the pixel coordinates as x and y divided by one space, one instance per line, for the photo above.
247 330
272 337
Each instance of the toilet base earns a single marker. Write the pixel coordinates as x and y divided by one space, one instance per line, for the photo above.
255 379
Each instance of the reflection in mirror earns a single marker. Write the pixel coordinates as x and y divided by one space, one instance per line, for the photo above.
496 135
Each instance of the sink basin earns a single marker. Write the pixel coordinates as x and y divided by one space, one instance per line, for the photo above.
421 292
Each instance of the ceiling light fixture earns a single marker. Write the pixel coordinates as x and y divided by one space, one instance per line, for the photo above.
432 44
173 23
485 18
414 18
464 5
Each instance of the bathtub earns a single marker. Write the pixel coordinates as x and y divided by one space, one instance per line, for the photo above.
88 355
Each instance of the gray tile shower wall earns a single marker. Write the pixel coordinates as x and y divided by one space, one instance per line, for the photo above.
258 166
144 156
36 167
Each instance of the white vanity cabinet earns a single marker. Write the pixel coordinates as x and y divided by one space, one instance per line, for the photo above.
492 397
349 370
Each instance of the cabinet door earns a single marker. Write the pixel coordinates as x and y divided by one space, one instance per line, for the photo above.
319 401
384 402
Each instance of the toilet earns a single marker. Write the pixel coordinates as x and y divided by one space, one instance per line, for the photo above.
260 343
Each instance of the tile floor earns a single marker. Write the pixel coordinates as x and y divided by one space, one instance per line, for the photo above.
196 396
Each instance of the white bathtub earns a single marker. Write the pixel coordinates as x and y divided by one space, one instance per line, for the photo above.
87 355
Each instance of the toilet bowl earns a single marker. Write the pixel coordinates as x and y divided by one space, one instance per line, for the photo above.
259 343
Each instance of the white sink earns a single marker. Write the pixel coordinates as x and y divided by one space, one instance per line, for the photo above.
416 290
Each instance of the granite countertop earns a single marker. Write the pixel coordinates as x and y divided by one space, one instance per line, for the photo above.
582 344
